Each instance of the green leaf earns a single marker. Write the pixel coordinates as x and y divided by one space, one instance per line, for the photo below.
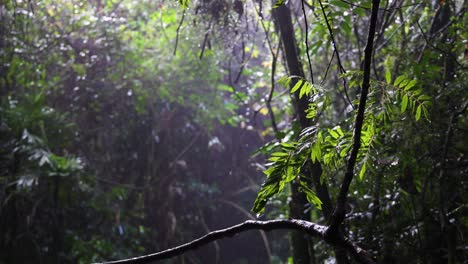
269 188
333 134
279 154
362 172
345 150
398 80
403 83
417 92
338 129
79 69
184 3
278 3
240 96
426 114
418 113
305 90
287 146
269 171
411 85
310 194
339 3
284 80
297 86
227 88
231 106
290 174
277 178
388 76
311 113
346 28
316 153
424 98
404 103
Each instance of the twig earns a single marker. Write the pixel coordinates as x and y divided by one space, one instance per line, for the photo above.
307 42
393 33
272 90
273 69
335 48
445 53
186 148
332 37
177 32
243 62
339 212
205 40
262 23
328 67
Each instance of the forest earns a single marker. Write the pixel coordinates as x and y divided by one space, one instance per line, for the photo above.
233 131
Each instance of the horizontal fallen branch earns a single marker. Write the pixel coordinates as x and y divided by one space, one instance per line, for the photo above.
310 228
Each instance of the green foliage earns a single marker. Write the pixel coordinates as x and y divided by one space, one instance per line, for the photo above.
330 146
281 171
279 3
103 82
38 153
184 3
411 95
30 127
302 86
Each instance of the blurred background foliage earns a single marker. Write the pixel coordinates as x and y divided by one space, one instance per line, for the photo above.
127 127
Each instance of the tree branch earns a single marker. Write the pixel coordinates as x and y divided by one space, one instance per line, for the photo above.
310 228
339 213
301 225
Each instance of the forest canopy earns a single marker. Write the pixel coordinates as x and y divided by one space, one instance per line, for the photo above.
131 127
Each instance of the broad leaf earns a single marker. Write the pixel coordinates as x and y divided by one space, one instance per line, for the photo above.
404 103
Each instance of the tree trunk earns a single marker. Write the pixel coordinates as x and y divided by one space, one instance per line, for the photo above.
299 242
